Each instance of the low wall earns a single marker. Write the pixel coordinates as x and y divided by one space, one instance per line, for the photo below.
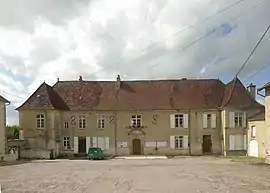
30 154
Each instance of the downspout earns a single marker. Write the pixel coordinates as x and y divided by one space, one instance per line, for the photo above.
5 122
189 132
115 133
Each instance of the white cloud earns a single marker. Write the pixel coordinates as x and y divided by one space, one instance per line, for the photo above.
98 39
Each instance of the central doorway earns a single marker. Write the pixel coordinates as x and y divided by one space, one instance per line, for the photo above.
136 147
82 145
207 144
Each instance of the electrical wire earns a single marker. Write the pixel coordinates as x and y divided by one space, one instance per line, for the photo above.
177 33
257 72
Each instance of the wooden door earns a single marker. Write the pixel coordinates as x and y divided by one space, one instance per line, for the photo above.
207 144
136 144
82 145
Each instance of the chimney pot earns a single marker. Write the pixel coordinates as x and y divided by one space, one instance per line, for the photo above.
80 78
118 82
252 90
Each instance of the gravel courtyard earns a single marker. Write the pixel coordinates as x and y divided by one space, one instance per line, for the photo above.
188 175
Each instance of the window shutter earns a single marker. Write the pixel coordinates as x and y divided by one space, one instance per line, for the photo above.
245 120
101 142
214 120
172 119
172 142
75 144
231 142
245 142
186 121
107 141
94 142
185 141
204 120
231 120
88 144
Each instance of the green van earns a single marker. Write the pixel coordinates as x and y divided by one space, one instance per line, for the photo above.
95 153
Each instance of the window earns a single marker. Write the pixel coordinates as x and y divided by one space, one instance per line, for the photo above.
82 122
179 120
239 119
179 142
136 120
66 125
237 142
101 121
66 143
253 131
40 121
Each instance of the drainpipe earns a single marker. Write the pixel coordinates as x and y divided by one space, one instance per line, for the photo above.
115 133
189 132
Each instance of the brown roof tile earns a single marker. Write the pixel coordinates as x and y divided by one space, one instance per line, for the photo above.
2 99
137 95
44 98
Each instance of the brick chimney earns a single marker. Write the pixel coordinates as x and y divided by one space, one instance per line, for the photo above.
252 90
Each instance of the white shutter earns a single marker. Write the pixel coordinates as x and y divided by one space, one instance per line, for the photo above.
245 120
75 144
101 142
186 121
107 143
172 119
231 120
204 120
231 142
88 144
245 142
213 120
94 142
172 142
185 141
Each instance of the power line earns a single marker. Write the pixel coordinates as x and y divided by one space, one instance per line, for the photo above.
179 32
12 94
257 72
254 49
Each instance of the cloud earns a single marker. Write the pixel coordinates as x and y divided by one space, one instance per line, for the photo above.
46 39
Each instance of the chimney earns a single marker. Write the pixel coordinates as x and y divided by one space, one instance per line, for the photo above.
80 78
57 79
118 82
252 90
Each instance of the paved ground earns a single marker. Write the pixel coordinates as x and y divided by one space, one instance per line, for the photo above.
188 175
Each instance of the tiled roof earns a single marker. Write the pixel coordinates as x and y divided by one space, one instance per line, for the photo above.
237 96
137 95
258 117
2 99
44 98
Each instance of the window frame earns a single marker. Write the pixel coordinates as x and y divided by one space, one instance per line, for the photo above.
179 120
101 121
82 122
66 143
40 120
253 131
136 120
239 119
66 124
179 142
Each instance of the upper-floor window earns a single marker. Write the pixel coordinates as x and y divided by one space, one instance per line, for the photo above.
239 119
253 131
66 143
179 120
136 120
40 118
82 122
66 125
209 120
101 121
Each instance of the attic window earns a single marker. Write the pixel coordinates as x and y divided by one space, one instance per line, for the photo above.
38 96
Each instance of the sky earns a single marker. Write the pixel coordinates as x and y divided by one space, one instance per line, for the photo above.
143 39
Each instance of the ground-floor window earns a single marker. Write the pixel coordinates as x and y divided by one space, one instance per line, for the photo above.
179 142
237 142
66 143
101 142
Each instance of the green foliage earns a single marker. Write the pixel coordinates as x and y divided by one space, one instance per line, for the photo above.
12 132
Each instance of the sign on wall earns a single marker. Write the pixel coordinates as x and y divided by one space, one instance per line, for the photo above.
162 144
155 144
122 144
150 144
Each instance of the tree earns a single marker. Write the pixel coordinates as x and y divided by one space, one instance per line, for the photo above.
12 132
